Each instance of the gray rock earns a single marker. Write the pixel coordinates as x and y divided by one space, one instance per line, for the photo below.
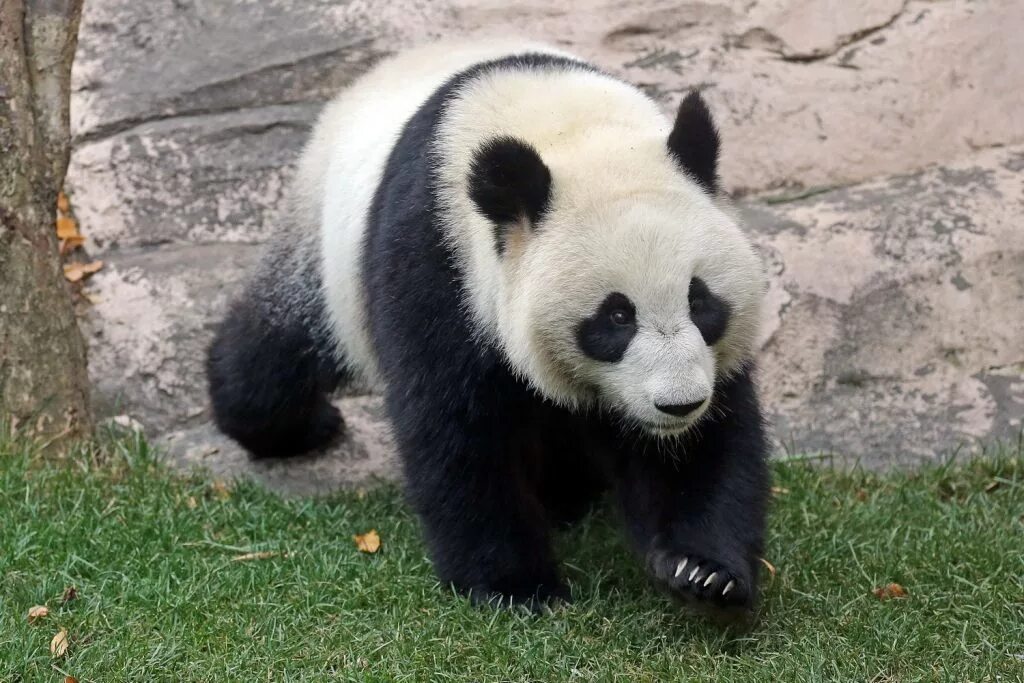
890 334
210 178
364 456
896 329
144 62
150 323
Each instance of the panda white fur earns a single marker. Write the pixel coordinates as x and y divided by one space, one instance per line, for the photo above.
534 266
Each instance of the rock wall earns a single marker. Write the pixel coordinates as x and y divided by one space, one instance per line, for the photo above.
877 147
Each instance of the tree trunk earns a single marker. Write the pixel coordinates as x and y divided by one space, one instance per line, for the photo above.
43 380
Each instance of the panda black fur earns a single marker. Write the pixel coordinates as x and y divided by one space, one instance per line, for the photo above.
534 267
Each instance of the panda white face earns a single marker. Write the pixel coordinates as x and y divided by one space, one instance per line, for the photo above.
656 370
595 252
638 305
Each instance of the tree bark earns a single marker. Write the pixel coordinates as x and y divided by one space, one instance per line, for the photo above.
43 380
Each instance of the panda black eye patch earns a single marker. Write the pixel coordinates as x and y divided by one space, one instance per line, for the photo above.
606 334
708 312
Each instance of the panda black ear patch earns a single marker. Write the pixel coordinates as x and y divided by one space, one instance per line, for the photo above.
694 141
508 182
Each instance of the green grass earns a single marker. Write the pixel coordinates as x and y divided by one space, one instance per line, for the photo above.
160 597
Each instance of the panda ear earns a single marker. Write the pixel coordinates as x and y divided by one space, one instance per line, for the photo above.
509 183
694 142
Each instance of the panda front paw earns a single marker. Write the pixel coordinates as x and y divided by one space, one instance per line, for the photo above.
700 579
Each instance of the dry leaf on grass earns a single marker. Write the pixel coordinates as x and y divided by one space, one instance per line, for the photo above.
38 612
889 591
368 542
70 593
992 487
70 679
74 272
191 503
261 555
220 490
59 644
769 566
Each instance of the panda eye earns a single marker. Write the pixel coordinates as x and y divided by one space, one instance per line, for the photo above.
622 317
708 312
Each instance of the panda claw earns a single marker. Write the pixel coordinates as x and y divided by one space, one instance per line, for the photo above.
701 579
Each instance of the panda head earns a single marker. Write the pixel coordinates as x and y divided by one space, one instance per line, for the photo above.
622 281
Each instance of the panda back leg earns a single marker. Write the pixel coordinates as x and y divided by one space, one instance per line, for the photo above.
272 366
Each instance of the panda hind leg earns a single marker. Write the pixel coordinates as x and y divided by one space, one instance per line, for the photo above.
270 382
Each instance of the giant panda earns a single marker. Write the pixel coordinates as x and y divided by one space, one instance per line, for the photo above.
538 271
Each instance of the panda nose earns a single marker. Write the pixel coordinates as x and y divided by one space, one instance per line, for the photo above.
679 409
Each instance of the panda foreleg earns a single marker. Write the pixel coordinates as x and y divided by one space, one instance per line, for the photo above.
697 516
483 521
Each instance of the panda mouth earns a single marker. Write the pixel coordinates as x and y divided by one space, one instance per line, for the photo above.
666 431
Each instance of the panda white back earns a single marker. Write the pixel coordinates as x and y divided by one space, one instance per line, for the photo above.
343 163
604 141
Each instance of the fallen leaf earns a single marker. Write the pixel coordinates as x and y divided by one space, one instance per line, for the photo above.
862 495
769 566
38 612
62 202
220 489
368 542
59 644
70 679
74 272
70 593
191 503
888 591
67 227
992 487
261 555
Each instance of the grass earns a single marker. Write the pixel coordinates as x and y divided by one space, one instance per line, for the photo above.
160 597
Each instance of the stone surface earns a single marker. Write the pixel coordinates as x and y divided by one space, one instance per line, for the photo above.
152 315
894 330
365 455
805 30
